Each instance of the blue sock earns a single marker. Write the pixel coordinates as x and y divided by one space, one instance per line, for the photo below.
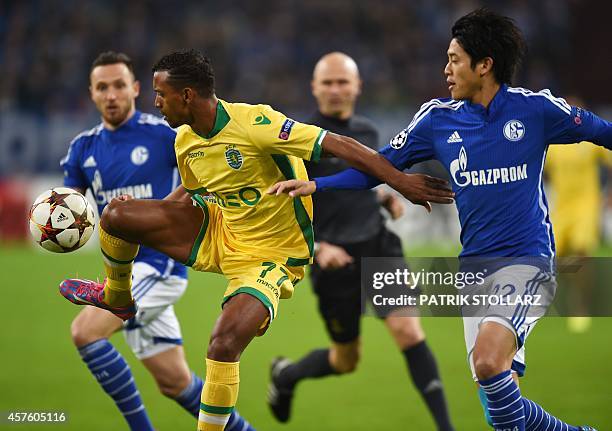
189 399
114 375
484 403
238 423
504 402
536 419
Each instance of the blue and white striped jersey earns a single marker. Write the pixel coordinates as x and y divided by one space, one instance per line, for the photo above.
495 158
137 159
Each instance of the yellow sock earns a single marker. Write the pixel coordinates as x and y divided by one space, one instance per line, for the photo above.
219 395
118 256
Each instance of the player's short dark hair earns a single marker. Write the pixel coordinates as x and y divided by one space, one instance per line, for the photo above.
112 57
188 68
483 33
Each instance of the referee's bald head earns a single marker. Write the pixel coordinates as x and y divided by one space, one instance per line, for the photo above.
336 60
336 85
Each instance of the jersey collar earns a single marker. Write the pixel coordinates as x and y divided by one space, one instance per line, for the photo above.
127 125
494 106
221 120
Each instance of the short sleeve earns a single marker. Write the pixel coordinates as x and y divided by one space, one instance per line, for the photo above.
71 164
565 124
274 133
414 144
188 179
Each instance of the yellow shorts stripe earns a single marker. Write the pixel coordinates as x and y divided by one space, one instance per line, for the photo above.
196 245
253 292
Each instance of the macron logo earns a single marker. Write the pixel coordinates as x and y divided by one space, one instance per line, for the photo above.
454 138
90 162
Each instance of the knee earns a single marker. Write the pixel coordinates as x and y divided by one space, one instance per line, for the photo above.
406 331
82 335
111 216
345 361
173 385
487 365
223 347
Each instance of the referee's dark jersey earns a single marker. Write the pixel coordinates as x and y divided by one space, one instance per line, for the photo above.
344 216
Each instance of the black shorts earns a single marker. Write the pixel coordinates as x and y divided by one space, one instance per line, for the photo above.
339 291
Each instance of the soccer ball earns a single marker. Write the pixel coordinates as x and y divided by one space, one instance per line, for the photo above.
61 220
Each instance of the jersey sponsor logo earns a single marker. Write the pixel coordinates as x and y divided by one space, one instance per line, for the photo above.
139 155
196 154
483 177
399 140
248 196
285 130
138 191
261 120
90 162
454 138
514 130
233 157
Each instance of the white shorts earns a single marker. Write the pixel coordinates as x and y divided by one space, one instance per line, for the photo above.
513 282
155 328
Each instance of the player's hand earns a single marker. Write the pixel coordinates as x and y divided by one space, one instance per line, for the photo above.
392 203
125 197
422 189
293 188
330 256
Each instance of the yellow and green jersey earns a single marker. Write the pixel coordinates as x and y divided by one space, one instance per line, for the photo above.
250 148
573 173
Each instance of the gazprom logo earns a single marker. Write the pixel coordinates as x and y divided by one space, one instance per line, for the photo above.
139 191
460 164
482 177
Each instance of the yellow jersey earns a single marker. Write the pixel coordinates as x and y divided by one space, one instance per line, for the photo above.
573 173
250 148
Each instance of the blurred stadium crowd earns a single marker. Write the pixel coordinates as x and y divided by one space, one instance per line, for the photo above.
262 52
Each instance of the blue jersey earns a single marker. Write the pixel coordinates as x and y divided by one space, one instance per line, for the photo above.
137 159
495 158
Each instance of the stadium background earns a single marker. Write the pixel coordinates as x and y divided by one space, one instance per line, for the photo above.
264 52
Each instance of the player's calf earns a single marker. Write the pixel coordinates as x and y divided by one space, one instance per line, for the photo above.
406 330
113 374
344 357
242 317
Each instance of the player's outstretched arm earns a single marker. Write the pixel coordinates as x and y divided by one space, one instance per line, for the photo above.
179 195
417 188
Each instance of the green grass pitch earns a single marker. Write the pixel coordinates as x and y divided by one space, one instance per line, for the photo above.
41 371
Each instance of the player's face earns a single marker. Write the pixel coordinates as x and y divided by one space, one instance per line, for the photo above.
170 101
463 81
336 86
114 91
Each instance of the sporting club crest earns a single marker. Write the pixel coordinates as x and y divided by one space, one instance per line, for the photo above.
233 157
